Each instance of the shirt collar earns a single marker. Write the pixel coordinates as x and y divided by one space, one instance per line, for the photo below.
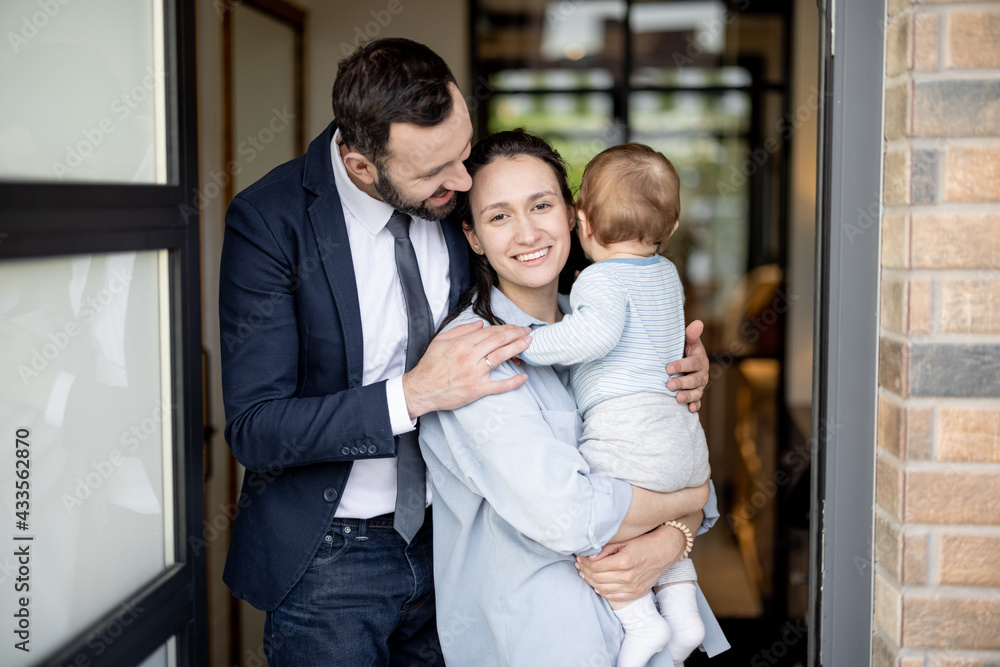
635 261
505 309
370 213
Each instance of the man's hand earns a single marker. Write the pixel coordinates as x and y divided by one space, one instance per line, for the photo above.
626 570
455 369
690 387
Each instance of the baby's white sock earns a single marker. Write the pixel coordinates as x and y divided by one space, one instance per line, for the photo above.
646 632
679 608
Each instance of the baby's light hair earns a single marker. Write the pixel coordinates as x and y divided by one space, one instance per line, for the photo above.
630 193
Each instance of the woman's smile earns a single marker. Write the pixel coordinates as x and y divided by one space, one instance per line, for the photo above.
529 257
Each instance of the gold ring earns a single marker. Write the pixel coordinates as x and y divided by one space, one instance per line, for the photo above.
486 359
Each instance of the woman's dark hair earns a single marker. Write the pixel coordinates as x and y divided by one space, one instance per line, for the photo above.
508 145
389 81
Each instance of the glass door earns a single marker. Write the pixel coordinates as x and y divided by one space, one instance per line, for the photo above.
707 83
100 408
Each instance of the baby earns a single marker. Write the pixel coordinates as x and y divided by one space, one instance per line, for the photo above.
626 325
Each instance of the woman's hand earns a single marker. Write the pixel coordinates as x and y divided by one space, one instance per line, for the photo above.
624 571
690 386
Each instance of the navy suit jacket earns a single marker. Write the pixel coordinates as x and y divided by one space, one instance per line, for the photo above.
297 415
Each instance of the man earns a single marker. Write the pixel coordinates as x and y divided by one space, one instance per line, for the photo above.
320 337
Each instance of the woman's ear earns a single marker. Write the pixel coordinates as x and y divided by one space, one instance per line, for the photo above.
360 167
472 238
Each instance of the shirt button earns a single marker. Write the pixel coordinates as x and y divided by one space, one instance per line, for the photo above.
330 494
345 451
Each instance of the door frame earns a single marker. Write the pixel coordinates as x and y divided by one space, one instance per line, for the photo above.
845 378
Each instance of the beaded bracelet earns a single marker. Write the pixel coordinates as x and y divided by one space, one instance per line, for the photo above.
687 535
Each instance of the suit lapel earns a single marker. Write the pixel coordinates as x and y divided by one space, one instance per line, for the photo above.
326 215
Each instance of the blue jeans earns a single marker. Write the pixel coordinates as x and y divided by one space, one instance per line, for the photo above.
367 598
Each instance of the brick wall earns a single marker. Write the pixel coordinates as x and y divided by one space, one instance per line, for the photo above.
937 524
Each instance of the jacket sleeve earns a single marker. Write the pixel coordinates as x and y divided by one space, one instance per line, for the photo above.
268 420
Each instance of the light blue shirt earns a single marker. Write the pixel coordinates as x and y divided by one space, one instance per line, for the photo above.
626 325
513 502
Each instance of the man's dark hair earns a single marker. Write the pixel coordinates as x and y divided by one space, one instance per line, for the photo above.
389 81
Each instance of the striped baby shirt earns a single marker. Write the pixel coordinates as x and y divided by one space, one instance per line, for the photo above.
626 325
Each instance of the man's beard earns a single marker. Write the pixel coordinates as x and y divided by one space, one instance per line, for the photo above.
392 196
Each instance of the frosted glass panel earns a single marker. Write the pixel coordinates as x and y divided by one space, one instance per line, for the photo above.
85 422
83 91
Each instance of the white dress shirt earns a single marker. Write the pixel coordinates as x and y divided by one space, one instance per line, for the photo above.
371 487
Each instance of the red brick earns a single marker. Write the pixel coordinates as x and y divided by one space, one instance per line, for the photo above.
890 426
972 173
914 563
925 42
936 621
892 305
896 179
893 8
889 546
951 494
969 434
889 486
895 240
918 312
955 240
954 661
888 609
969 560
898 48
970 306
918 434
972 40
893 366
883 655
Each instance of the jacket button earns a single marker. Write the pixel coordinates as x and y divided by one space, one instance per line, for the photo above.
330 494
345 450
354 451
372 449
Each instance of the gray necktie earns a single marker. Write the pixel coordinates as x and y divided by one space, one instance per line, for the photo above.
411 476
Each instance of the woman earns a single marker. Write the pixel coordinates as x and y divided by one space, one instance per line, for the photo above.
513 500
